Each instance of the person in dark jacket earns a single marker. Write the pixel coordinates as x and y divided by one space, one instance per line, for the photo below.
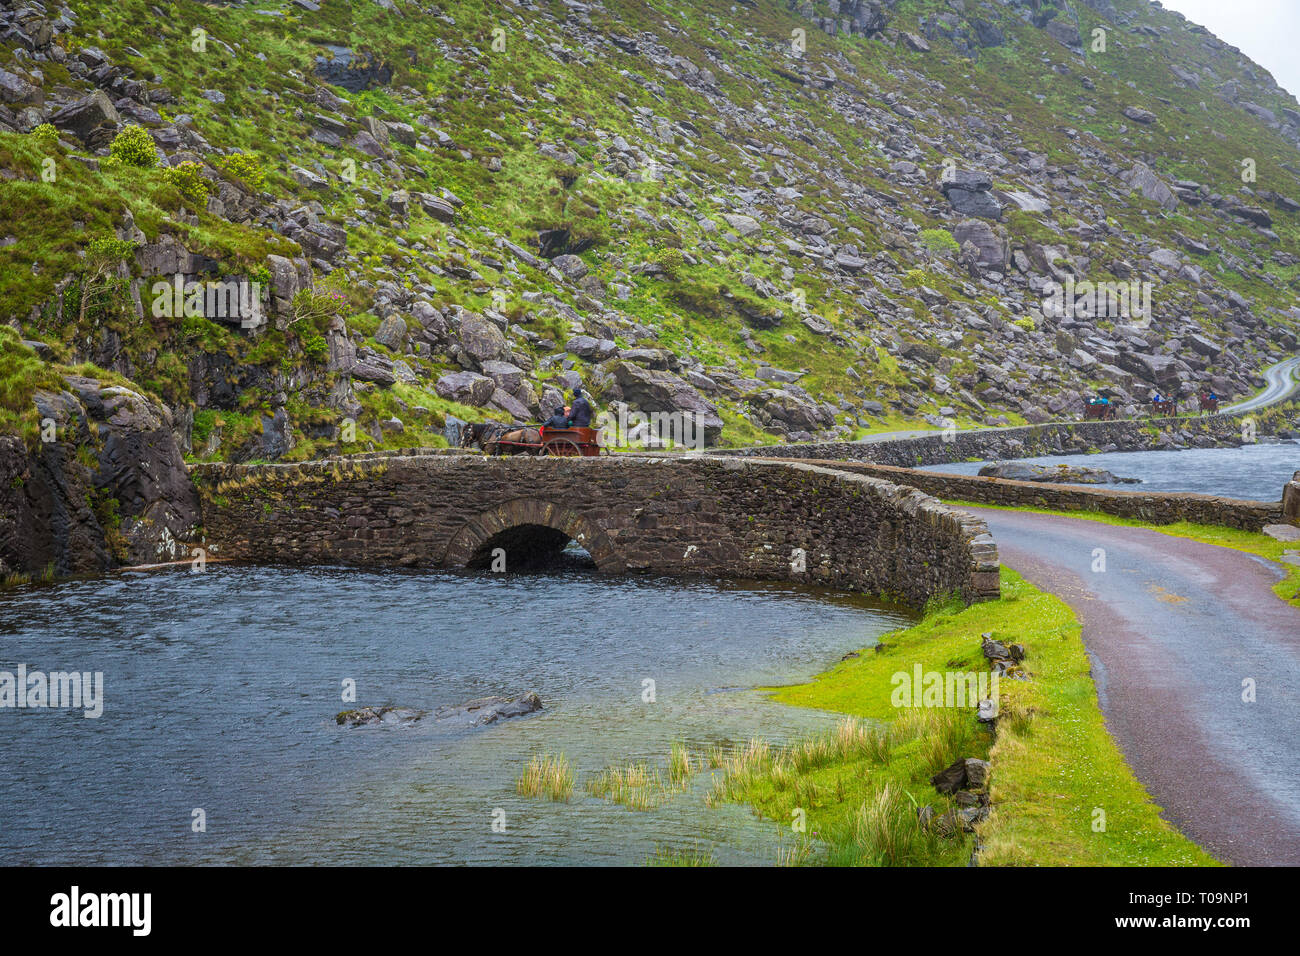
580 410
559 420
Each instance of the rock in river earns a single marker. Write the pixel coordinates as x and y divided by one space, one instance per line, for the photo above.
1059 474
488 710
363 716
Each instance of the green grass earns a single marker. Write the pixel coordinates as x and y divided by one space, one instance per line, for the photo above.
547 777
1053 762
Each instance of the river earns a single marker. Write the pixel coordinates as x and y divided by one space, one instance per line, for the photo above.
221 689
1255 472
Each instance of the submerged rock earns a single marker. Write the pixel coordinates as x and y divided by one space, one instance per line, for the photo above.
1060 474
364 716
488 710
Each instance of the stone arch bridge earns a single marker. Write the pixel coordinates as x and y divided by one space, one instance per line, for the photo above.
699 516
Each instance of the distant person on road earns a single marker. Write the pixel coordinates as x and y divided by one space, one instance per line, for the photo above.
579 411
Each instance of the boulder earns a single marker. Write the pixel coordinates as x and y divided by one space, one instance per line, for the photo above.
1139 115
467 388
1064 33
653 390
436 206
571 266
392 333
480 339
84 117
1157 369
1060 474
370 366
990 250
1142 179
113 444
743 226
952 778
370 716
14 89
507 376
488 710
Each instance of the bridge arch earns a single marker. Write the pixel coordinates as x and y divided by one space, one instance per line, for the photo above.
529 525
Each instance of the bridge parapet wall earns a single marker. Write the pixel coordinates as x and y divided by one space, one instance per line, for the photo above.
694 516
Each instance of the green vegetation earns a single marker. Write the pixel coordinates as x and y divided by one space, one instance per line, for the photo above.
245 167
939 240
548 777
22 374
1053 762
133 146
188 179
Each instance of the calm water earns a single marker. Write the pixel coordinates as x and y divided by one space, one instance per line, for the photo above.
221 689
1256 472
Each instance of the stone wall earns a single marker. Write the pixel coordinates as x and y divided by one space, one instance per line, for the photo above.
1028 441
1156 508
698 516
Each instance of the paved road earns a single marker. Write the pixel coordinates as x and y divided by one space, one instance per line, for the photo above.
1281 383
1172 628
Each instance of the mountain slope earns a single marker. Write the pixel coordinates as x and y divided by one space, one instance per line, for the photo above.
796 220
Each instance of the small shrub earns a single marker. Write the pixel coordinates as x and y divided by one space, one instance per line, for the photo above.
245 167
670 260
188 178
939 241
315 347
318 306
46 135
133 146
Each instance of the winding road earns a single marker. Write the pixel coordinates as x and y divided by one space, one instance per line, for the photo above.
1281 383
1175 630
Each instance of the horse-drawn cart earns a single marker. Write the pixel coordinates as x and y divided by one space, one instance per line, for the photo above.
569 442
495 439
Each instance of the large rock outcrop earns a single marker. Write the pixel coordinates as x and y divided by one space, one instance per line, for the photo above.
111 488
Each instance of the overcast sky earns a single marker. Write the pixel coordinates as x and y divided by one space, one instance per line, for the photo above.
1267 31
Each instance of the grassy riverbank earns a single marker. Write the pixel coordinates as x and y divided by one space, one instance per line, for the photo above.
1252 542
1060 790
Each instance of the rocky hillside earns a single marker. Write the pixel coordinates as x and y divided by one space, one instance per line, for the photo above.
798 219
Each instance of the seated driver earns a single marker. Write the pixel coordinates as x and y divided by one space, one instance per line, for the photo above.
580 414
558 420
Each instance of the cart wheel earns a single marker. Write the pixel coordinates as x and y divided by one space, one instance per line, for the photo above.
561 447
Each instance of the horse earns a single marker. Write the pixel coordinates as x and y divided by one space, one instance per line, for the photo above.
1207 404
1168 408
495 438
1095 411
